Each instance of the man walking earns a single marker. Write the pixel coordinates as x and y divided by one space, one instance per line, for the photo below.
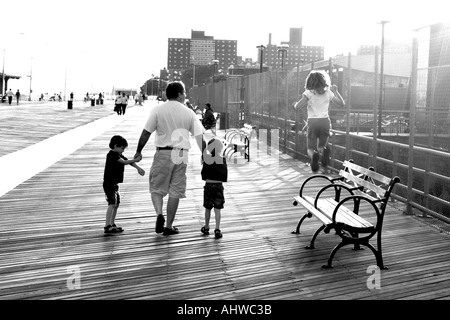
173 123
10 95
18 96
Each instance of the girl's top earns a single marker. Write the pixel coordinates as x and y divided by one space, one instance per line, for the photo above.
318 104
113 168
214 168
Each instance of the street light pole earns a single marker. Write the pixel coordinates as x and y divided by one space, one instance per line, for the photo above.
215 66
3 74
193 75
31 76
261 49
380 103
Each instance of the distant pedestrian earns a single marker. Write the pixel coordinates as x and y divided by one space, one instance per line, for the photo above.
317 97
124 102
136 98
10 96
113 175
214 172
17 96
209 120
118 104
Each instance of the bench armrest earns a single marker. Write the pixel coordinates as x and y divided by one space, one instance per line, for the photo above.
357 199
337 191
314 177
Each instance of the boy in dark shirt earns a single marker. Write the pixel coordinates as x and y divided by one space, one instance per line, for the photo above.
214 172
113 175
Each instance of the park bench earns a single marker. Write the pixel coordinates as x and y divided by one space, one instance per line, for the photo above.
369 193
238 140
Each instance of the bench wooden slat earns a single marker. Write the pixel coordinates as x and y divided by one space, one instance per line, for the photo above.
366 184
319 215
370 173
344 215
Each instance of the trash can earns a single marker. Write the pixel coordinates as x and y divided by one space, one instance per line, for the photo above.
92 102
101 101
97 102
69 104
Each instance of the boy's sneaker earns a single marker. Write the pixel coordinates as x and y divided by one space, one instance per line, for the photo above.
159 227
315 162
326 157
217 234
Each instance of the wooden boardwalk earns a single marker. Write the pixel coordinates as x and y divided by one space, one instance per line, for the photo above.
52 230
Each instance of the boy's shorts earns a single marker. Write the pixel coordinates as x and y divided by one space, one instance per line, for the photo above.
166 177
112 194
318 128
213 196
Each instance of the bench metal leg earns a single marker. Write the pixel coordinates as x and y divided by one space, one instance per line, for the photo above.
306 215
311 245
330 258
378 256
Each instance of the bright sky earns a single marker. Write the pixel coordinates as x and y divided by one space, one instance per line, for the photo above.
93 45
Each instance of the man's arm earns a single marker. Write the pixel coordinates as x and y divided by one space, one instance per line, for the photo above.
145 135
200 139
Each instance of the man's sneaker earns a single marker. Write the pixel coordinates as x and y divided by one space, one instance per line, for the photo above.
315 162
326 157
170 231
160 223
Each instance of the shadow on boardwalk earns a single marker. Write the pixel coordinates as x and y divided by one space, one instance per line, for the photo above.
52 232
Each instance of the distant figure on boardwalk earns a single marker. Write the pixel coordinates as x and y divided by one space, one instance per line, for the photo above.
17 96
10 96
317 97
118 104
214 172
172 123
136 98
190 106
124 103
86 99
113 175
209 121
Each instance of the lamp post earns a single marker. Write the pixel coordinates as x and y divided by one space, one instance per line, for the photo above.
193 75
3 74
215 66
261 51
283 50
380 103
31 76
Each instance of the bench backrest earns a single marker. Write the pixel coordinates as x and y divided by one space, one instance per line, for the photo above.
379 185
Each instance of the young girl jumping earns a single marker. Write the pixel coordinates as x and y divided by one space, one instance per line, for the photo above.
317 97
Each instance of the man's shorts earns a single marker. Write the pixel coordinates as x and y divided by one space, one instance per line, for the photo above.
213 196
318 128
166 177
112 194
